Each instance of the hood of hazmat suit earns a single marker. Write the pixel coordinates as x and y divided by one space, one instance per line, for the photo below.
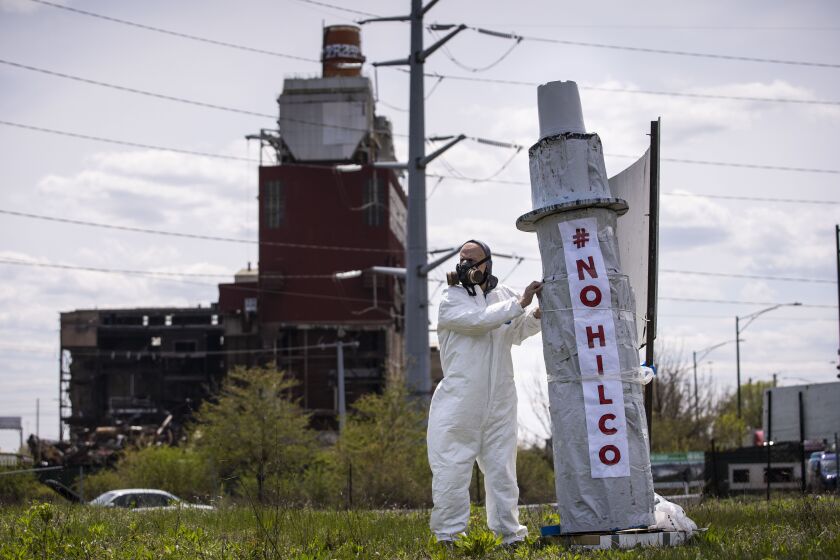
473 410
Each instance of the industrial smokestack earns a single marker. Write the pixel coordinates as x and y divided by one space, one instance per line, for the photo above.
600 437
342 51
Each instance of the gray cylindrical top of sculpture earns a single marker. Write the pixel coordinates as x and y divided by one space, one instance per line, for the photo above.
600 436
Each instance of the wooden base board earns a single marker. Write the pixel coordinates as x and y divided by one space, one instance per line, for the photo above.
621 539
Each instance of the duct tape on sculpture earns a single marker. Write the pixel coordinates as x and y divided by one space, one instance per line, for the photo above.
599 434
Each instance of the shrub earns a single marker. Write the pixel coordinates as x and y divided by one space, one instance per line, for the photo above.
255 432
384 443
23 488
183 472
535 475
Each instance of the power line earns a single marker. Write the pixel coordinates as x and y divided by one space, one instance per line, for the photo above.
181 99
729 301
469 179
168 275
164 276
674 27
647 92
750 276
480 30
740 165
516 38
175 33
665 51
125 142
633 91
153 273
342 248
769 318
754 198
134 90
334 7
193 235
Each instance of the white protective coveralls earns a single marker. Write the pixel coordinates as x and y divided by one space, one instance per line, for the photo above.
473 410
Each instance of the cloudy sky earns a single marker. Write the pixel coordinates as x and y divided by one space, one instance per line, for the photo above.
749 141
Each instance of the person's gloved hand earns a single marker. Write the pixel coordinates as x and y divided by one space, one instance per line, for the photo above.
528 296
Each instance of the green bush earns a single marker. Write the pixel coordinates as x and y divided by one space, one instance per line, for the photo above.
535 475
383 447
22 488
255 433
183 472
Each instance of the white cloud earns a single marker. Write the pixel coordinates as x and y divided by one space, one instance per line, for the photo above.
158 190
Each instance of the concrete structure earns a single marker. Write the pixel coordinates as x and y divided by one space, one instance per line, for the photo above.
137 366
601 460
315 219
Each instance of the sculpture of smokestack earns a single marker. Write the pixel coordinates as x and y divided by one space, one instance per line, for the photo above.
600 436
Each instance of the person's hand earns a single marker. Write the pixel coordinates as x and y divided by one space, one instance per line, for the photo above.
527 297
537 313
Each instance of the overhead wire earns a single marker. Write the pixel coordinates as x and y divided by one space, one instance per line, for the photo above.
455 175
133 229
754 198
448 53
501 81
323 125
487 32
672 27
738 302
181 99
698 162
748 276
153 273
335 7
716 56
434 188
134 90
172 277
124 142
518 258
175 33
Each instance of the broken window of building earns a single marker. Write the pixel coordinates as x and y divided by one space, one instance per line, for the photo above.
275 204
185 346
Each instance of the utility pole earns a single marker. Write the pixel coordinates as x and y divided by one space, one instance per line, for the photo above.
837 244
342 402
417 290
418 379
38 432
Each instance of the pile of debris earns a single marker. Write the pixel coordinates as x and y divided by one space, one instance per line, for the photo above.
101 447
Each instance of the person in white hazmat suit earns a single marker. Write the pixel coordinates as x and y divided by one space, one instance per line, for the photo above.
473 410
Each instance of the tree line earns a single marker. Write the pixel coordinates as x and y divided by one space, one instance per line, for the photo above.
254 443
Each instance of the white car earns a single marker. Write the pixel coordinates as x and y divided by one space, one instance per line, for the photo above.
143 498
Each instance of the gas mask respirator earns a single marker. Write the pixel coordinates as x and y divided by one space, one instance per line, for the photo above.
469 276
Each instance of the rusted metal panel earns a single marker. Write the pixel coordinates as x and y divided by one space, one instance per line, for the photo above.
330 222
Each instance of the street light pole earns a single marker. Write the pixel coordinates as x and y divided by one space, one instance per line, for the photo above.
738 362
738 328
702 354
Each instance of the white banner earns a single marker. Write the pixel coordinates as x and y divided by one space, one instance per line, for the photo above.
633 231
597 347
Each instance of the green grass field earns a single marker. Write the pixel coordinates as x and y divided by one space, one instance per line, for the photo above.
786 528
